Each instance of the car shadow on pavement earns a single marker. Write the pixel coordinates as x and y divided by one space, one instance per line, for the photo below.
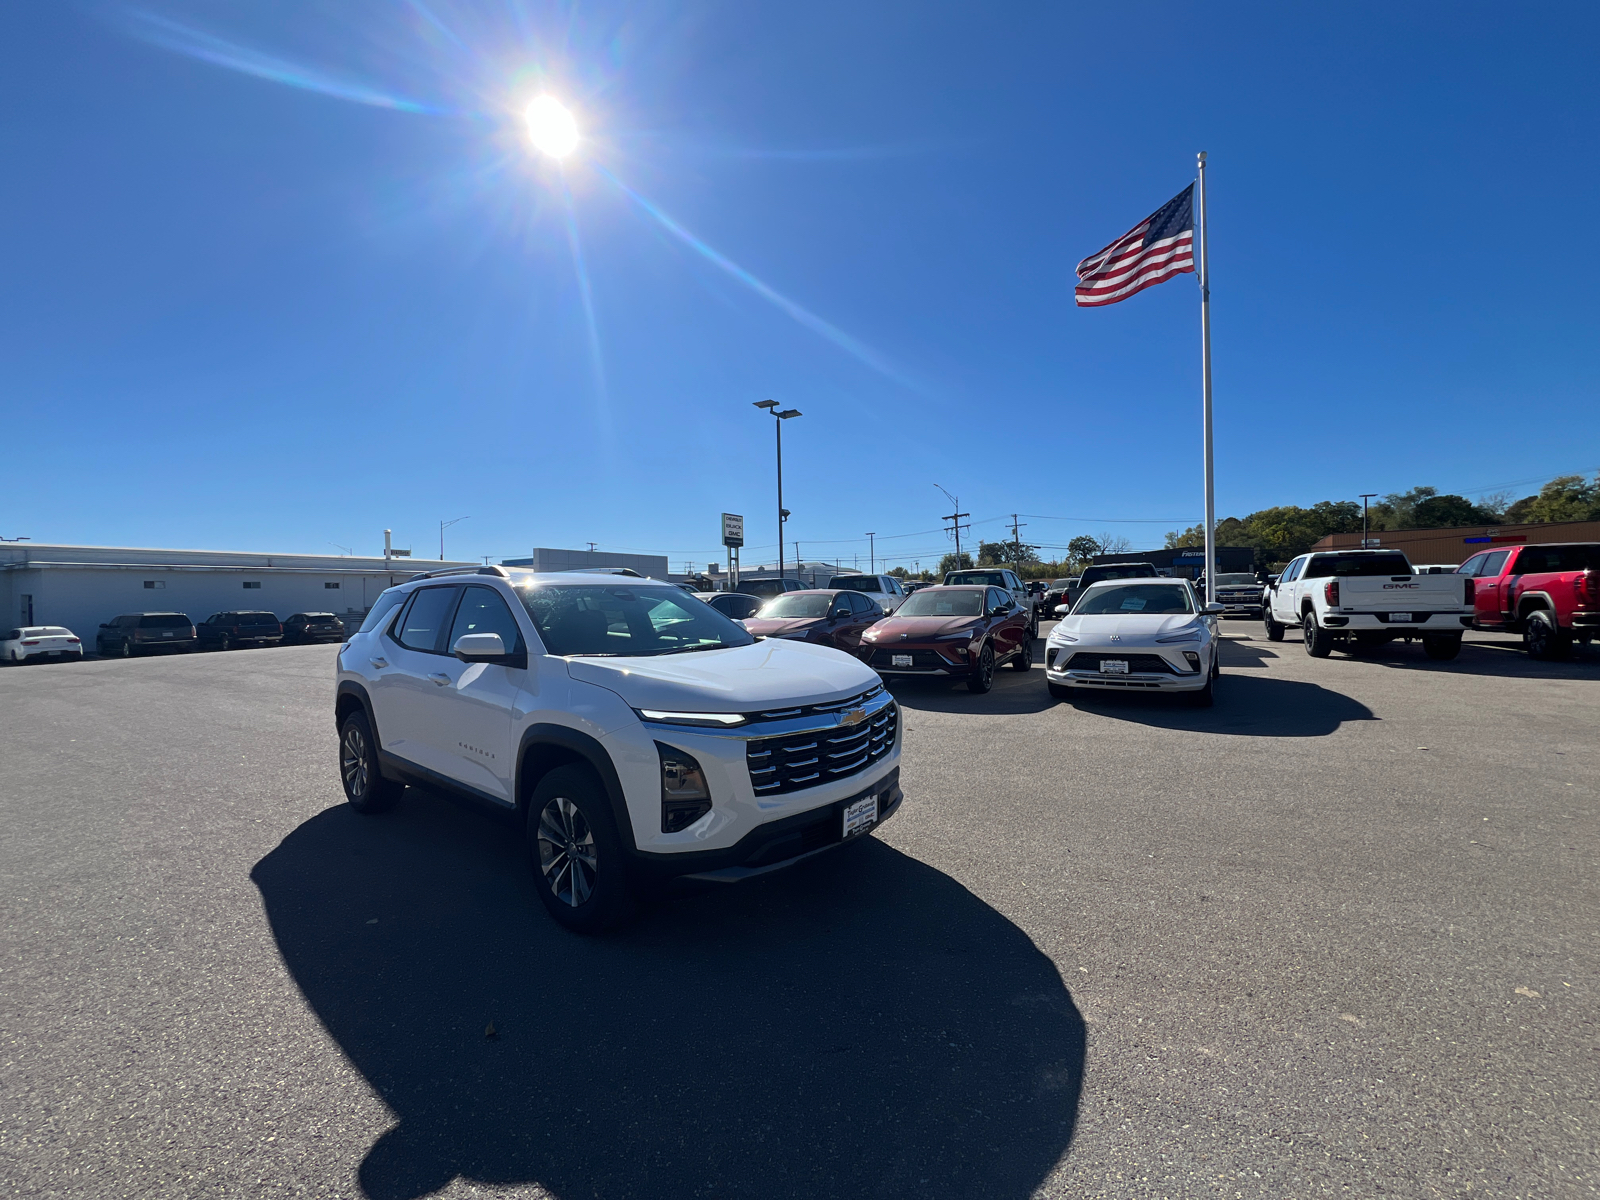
1243 653
1014 694
861 1025
1246 706
1497 660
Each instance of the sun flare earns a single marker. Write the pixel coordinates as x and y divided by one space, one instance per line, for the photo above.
551 126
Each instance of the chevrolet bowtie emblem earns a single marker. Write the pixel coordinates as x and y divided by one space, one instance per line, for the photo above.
854 717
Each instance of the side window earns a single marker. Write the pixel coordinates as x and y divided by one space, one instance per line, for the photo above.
841 605
1493 563
1473 565
994 598
1530 561
483 611
861 605
1293 571
424 619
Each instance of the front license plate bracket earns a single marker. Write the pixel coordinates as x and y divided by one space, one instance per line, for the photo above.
860 816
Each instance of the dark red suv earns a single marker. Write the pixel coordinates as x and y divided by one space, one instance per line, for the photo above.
825 616
952 632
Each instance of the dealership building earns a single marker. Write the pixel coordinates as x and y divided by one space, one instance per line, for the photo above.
82 587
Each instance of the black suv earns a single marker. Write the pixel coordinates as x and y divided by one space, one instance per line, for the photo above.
313 627
224 631
139 633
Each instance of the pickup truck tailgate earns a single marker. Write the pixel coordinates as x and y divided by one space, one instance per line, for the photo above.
1384 596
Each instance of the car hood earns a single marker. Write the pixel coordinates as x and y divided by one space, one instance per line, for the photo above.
1131 629
769 674
778 626
914 629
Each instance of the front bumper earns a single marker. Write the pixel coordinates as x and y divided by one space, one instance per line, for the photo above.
1064 666
776 844
928 659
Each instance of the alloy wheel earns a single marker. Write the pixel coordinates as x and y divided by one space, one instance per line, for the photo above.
353 762
567 854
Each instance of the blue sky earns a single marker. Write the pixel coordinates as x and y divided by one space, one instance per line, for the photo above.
280 276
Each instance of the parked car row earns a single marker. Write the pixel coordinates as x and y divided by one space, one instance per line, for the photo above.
175 633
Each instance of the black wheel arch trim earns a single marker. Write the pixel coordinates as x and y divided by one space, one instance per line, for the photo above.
589 750
348 687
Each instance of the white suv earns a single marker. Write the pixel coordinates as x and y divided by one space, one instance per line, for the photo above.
642 735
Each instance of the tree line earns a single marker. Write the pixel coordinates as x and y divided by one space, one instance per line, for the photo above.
1279 534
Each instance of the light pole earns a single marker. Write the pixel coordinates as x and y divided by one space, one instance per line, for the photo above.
443 525
783 513
1365 496
872 554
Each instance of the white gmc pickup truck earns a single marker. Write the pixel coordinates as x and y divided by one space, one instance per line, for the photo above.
1364 598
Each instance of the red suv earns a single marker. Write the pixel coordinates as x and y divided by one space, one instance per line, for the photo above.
1549 594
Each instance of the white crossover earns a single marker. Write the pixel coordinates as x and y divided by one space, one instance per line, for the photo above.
1135 635
641 734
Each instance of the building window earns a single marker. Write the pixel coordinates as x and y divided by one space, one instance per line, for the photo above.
155 583
249 584
331 585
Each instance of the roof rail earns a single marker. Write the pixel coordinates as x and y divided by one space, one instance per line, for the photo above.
500 571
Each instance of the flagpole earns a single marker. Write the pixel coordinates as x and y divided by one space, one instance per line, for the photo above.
1205 371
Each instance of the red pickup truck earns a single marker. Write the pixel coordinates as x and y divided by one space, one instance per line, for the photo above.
1549 594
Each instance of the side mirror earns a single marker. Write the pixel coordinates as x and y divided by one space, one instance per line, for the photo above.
1214 607
1063 610
480 647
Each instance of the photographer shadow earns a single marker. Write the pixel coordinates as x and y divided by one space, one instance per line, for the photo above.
861 1025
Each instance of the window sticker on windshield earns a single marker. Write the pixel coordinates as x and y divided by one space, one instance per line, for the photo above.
944 608
1132 604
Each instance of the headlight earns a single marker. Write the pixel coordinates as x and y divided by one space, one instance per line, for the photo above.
691 718
1059 635
685 798
1187 635
965 635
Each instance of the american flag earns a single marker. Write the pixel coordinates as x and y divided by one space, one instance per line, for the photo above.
1152 252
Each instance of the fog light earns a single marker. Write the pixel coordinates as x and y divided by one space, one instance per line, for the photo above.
1194 659
685 798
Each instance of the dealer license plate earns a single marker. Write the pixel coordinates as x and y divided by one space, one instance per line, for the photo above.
860 816
1113 666
900 660
1404 618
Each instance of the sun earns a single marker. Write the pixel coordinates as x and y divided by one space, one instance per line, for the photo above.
551 126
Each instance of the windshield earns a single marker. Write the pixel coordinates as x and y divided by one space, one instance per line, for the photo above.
1161 599
619 620
796 604
929 603
1323 566
856 583
985 578
1238 579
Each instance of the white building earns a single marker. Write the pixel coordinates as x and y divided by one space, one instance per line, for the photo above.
82 587
546 558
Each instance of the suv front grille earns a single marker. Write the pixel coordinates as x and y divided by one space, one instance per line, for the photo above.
796 761
921 660
1138 664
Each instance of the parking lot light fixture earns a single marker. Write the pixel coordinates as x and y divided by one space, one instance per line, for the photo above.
783 513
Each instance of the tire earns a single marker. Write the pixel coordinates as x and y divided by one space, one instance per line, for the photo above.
1274 630
364 785
1060 691
225 643
1206 696
1023 659
982 677
580 869
1543 638
1319 642
125 650
1442 649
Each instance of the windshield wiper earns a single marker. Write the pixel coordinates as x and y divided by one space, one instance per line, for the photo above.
692 649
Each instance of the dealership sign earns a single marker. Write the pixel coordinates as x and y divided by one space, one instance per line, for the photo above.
732 529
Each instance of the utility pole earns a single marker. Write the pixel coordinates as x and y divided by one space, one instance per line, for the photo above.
1016 544
797 561
1365 496
955 522
386 552
872 554
783 513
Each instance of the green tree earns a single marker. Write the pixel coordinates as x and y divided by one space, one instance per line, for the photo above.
1565 498
1003 554
1082 548
900 572
951 563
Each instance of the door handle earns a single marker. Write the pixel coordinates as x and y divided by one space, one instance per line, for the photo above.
440 679
380 663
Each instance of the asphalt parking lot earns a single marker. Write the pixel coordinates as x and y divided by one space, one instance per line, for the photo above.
1335 936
